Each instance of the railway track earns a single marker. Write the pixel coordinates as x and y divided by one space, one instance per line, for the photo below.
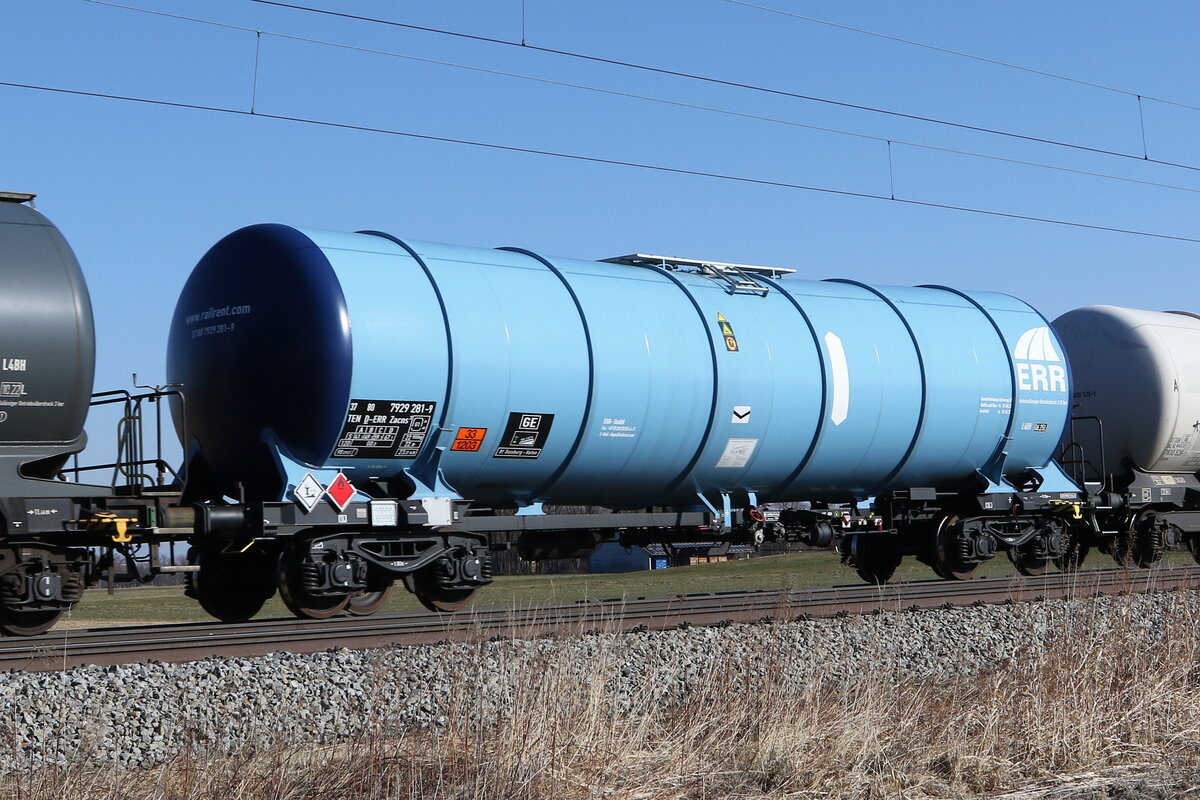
58 650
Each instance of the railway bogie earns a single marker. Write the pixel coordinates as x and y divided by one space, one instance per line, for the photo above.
38 583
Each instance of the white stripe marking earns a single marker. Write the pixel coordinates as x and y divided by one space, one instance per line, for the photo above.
841 378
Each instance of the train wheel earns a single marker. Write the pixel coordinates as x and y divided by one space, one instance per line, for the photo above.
230 586
949 564
873 559
27 623
1193 545
437 598
294 582
366 603
960 573
1027 564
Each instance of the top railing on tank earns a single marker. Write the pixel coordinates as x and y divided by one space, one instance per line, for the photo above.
132 470
734 278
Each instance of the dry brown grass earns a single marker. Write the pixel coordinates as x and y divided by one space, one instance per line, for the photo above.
1102 697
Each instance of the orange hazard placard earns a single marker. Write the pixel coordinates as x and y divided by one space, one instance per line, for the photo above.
469 439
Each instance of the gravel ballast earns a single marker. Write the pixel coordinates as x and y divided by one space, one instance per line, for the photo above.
140 715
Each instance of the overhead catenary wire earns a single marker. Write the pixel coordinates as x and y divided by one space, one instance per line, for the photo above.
961 54
731 84
599 160
636 96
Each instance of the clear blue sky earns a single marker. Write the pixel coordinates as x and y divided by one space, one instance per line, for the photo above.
141 191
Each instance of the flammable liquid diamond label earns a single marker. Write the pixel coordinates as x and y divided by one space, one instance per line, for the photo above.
340 491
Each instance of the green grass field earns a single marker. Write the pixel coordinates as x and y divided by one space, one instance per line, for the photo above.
168 604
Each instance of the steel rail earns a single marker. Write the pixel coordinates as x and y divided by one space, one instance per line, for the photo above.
61 649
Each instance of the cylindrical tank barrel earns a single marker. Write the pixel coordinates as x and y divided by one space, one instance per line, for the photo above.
527 378
47 346
1138 372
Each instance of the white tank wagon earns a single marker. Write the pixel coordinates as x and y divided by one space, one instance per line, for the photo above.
1135 435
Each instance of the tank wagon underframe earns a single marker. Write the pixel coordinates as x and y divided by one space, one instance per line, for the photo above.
323 564
322 561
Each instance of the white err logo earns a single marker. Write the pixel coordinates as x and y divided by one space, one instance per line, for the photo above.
1037 345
